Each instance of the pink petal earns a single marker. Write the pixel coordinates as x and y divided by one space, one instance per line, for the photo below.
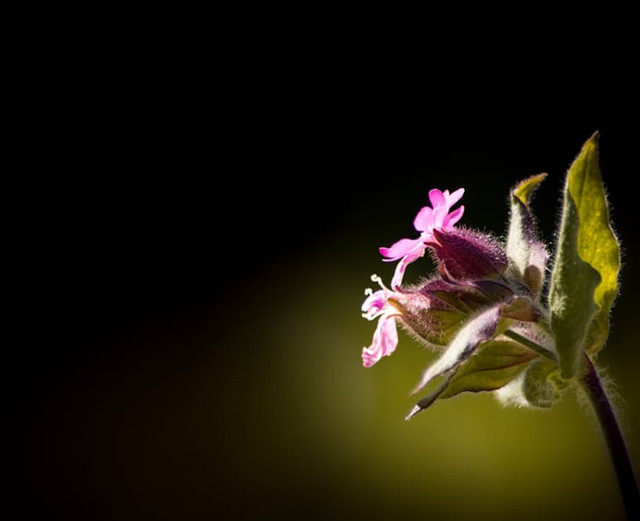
442 203
453 217
374 304
385 340
400 249
440 207
437 198
398 275
424 219
454 197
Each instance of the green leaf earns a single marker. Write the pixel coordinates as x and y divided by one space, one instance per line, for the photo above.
584 281
526 252
478 328
597 243
525 188
475 360
494 365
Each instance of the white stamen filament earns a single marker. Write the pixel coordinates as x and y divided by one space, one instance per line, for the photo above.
376 278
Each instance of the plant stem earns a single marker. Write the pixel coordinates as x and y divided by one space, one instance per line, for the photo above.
613 436
547 353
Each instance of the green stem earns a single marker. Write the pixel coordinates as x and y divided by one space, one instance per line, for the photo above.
547 353
613 435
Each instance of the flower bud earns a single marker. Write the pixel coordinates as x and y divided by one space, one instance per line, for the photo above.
463 254
435 310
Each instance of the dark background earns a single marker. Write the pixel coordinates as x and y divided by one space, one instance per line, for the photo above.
191 255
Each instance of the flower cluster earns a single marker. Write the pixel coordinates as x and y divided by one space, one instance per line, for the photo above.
502 319
482 306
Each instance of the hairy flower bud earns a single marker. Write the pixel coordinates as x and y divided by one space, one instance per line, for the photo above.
463 254
435 310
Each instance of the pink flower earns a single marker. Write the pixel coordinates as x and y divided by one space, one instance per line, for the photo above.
436 217
385 337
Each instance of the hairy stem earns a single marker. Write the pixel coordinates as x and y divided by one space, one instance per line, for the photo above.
613 436
531 344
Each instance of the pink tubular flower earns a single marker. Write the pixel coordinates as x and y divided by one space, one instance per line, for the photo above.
385 338
436 217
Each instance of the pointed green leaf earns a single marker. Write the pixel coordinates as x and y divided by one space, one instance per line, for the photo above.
526 252
525 188
477 330
494 365
585 272
597 243
428 400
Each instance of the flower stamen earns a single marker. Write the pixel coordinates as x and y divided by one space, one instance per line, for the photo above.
378 280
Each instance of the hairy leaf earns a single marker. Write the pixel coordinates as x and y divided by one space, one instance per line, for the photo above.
584 272
526 252
525 188
479 328
493 365
597 243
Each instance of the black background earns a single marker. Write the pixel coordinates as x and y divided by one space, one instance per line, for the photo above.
153 195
